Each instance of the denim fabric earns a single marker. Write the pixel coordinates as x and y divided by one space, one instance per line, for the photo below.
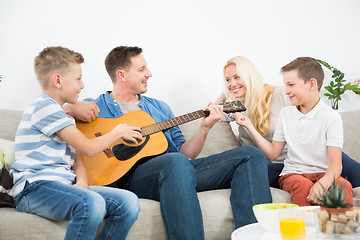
84 208
274 170
350 171
174 180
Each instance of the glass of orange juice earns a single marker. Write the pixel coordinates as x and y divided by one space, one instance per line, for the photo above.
292 224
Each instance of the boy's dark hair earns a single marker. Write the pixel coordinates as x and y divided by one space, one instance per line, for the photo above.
307 68
120 58
52 59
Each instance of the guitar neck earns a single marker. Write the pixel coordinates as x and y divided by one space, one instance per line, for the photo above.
173 122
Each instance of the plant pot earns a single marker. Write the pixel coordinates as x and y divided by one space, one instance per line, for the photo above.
336 210
339 222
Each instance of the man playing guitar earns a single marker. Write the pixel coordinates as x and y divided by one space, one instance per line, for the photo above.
174 178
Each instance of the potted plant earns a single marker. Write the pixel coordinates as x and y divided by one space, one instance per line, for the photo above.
335 216
337 87
334 198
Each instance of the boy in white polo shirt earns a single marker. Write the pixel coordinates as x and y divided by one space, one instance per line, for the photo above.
313 132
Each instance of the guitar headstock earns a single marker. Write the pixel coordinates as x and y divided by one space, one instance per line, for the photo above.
232 107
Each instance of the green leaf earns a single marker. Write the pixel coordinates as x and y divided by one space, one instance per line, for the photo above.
330 89
357 91
347 86
353 87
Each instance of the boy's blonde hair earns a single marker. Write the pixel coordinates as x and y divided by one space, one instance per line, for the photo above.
307 68
54 59
258 95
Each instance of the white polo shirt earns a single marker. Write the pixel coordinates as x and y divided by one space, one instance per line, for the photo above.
307 137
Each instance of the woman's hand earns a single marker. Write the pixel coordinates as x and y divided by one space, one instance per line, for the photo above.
242 120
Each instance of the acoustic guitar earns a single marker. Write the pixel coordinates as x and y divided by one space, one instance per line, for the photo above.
114 162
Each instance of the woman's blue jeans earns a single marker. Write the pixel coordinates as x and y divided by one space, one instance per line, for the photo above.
350 171
84 208
173 180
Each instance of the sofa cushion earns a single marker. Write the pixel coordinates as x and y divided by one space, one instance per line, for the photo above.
216 211
18 225
220 138
280 196
151 224
9 122
351 122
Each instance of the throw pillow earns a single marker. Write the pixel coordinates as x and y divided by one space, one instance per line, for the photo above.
6 183
7 157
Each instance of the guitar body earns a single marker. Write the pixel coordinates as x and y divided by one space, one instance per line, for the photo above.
106 168
115 161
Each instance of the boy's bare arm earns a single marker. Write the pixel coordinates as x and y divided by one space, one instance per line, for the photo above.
272 149
91 147
333 172
84 111
80 172
335 166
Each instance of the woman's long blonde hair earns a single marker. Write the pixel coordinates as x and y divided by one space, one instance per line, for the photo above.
258 95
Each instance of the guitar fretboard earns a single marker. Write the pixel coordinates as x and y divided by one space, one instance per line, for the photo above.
164 125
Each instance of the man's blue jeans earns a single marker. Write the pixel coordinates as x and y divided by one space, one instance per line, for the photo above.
85 208
173 180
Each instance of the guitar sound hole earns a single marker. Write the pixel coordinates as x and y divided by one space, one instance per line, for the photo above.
124 152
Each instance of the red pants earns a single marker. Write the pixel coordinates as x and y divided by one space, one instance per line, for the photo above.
298 185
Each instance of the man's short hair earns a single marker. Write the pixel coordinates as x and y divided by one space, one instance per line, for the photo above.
54 59
307 69
120 58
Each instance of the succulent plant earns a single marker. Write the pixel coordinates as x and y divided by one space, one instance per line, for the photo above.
334 197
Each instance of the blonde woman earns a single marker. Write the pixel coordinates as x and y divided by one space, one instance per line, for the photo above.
263 102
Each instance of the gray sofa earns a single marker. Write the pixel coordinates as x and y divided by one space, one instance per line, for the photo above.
215 205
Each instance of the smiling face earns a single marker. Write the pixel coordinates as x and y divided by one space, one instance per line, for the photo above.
137 75
234 83
296 88
71 84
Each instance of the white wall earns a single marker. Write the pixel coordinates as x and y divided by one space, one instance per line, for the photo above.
185 42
